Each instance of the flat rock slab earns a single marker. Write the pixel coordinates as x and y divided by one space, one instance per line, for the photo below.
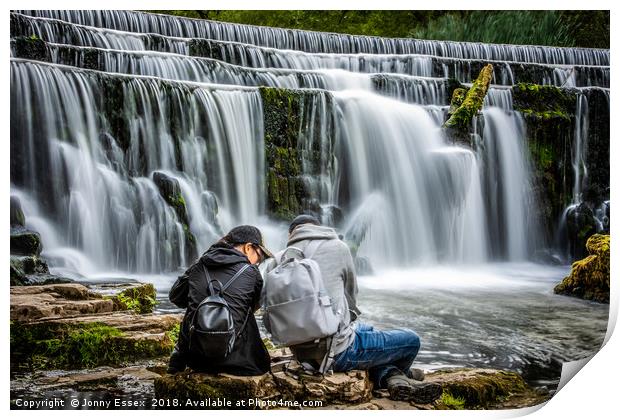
486 388
29 303
264 391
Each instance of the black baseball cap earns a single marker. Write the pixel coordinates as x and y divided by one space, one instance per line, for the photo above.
245 234
302 219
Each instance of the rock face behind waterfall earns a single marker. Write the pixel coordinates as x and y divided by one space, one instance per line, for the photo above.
589 278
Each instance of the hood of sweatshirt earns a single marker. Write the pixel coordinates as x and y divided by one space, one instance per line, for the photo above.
309 231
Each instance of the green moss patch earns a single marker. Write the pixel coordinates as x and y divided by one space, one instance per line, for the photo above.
51 345
451 402
285 130
589 278
140 299
466 105
545 102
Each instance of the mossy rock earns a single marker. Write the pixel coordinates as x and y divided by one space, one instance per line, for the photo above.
466 106
21 266
170 190
589 278
30 47
287 155
198 387
17 215
25 242
458 96
140 299
477 388
544 101
85 342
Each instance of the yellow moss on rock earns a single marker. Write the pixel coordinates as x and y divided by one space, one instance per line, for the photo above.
472 102
589 277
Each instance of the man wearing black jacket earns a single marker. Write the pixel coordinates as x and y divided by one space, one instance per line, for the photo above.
241 246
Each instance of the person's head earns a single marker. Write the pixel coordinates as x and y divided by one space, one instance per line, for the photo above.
249 241
303 219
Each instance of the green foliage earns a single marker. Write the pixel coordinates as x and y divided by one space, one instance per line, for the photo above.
451 402
583 28
173 333
387 23
140 299
501 27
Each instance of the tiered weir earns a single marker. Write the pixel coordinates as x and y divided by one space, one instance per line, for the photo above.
328 149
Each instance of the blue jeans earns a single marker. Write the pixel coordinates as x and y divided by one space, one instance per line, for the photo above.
382 353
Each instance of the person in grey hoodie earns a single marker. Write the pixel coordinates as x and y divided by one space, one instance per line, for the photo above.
387 355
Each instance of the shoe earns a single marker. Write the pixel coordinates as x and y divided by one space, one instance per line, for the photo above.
401 388
415 374
177 362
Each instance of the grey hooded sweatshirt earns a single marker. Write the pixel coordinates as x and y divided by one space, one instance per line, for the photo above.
338 271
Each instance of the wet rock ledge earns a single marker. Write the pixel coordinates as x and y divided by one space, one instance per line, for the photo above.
70 325
121 351
463 389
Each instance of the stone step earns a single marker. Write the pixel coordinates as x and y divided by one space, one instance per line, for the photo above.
463 389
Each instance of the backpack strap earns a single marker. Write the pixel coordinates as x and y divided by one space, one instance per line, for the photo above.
228 283
235 277
210 289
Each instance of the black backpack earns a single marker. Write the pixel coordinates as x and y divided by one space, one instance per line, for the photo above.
212 330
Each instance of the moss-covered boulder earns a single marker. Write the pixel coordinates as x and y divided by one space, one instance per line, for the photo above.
467 105
482 388
140 298
589 277
233 392
86 341
25 242
458 96
16 213
28 269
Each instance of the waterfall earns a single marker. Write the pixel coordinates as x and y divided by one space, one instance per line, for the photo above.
580 137
141 138
507 173
414 198
309 41
102 198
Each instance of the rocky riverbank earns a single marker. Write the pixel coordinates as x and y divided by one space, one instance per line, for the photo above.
120 350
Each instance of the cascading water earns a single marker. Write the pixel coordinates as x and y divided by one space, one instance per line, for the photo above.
507 173
415 199
100 196
320 41
145 137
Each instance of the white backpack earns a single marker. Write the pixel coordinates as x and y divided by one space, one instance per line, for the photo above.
297 306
